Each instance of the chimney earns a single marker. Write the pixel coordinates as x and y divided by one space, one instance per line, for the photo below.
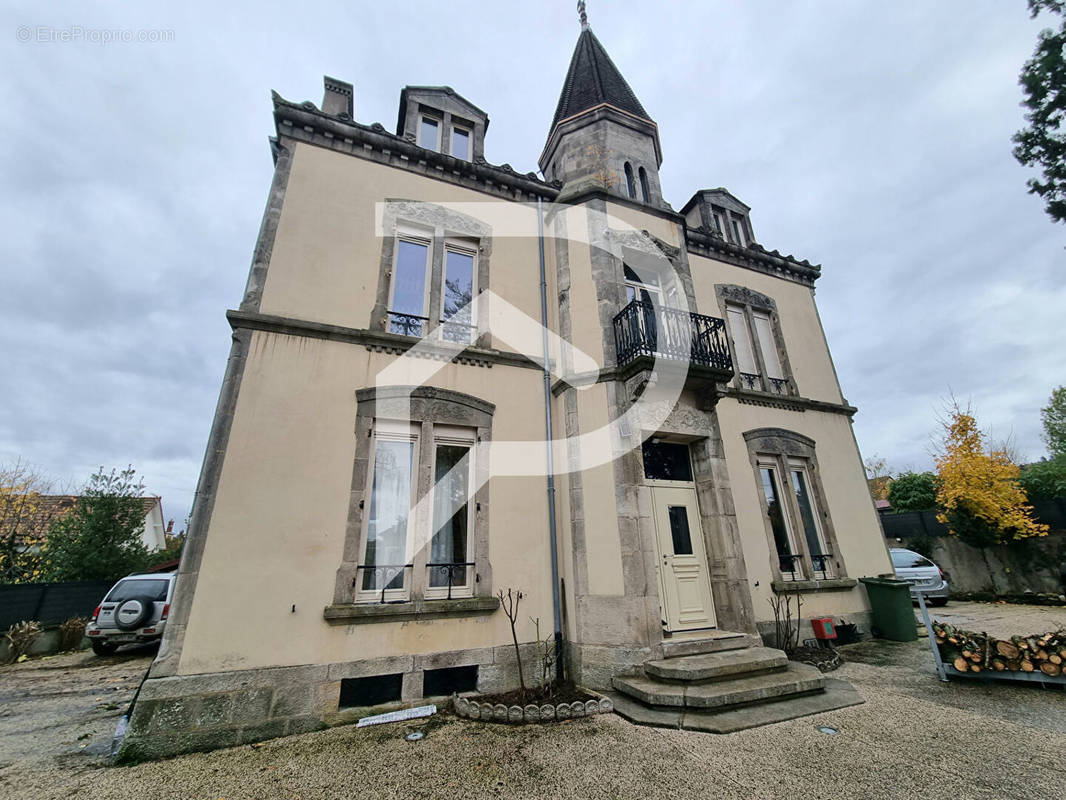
338 98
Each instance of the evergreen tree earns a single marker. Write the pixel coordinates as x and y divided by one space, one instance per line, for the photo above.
1043 143
913 491
100 539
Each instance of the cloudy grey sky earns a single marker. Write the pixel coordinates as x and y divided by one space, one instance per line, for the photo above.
871 138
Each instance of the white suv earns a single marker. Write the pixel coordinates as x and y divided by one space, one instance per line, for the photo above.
135 610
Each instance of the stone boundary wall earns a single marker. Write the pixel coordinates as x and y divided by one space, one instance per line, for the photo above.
1030 565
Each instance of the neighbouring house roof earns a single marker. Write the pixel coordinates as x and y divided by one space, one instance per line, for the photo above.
883 505
51 507
592 80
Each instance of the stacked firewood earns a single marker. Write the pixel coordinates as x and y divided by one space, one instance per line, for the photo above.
975 652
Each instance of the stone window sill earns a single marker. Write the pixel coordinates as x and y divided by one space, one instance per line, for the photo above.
352 614
832 584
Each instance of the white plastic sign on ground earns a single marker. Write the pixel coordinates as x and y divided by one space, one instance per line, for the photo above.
397 716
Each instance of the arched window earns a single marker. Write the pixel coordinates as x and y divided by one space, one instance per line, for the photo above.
631 188
645 192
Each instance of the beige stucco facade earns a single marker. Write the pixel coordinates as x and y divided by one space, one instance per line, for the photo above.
272 618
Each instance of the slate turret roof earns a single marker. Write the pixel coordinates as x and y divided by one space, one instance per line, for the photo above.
594 79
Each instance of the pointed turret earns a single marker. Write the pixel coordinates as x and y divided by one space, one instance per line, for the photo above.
592 80
601 137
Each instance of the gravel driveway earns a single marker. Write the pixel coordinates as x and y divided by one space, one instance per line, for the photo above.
914 738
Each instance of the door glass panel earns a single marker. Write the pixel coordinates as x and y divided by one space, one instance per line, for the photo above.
666 461
778 524
679 531
390 505
458 293
409 288
450 517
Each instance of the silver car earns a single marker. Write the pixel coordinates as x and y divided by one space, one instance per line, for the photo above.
134 611
922 574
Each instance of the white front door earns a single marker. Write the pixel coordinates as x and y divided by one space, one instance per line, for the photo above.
685 591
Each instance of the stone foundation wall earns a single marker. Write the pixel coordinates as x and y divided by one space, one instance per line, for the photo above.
188 713
592 666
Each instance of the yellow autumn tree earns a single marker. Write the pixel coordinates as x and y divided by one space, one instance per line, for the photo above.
978 492
24 517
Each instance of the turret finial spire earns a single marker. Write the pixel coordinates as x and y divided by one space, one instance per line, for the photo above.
582 15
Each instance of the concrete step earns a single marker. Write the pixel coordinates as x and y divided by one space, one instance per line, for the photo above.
717 666
794 679
836 694
710 642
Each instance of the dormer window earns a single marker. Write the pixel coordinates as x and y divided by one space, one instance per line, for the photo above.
429 133
437 118
461 143
738 232
719 228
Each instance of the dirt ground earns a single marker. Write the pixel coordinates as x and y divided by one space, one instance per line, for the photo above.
915 737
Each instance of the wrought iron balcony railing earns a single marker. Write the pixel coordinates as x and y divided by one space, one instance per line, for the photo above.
644 329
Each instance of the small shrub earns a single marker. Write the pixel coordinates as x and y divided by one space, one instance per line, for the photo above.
20 637
71 633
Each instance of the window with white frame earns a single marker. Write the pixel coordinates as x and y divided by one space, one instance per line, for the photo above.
718 226
775 507
459 291
461 142
429 130
757 345
738 231
392 534
793 518
384 571
409 292
450 566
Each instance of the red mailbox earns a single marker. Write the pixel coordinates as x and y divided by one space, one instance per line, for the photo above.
823 628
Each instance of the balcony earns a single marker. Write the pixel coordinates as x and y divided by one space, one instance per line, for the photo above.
644 332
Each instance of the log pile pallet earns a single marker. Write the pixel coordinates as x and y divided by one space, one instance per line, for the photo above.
1040 655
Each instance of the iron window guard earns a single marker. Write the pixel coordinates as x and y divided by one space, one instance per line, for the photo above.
750 380
780 386
644 329
787 564
449 568
406 324
386 574
821 559
458 332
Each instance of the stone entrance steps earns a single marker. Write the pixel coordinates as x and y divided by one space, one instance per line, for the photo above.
727 684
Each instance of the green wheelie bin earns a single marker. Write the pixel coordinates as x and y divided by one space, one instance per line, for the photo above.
893 614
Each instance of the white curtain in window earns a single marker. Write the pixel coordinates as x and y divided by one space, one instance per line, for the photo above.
390 507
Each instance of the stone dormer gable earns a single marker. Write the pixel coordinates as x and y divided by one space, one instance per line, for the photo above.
440 119
593 80
718 213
